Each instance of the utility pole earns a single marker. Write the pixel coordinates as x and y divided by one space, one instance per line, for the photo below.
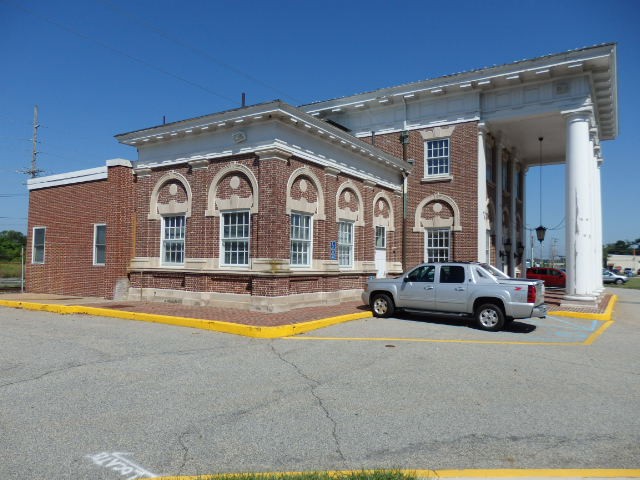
34 171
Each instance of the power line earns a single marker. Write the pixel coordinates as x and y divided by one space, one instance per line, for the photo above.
119 52
120 11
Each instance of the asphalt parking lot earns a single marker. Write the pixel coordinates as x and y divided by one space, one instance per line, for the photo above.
94 397
552 330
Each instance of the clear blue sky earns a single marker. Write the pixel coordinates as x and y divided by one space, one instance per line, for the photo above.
101 67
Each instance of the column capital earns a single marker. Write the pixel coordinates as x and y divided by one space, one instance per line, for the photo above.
583 113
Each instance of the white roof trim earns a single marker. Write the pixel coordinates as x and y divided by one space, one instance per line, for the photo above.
79 176
119 162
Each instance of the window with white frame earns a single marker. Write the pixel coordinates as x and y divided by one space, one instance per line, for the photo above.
173 234
235 238
301 239
345 244
381 237
436 158
99 244
437 244
37 254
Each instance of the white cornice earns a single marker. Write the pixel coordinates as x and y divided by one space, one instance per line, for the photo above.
598 61
79 176
254 115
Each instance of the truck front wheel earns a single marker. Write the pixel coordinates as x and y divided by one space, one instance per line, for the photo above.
489 317
382 305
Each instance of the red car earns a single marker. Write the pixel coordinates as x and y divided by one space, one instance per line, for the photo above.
552 277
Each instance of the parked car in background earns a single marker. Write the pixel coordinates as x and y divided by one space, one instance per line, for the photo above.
610 277
552 277
628 272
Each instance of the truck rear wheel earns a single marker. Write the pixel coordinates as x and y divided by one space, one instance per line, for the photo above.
489 317
382 305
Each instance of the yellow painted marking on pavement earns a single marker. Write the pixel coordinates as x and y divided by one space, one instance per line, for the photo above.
465 473
214 325
592 338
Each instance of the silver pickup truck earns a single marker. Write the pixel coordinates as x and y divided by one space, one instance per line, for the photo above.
458 288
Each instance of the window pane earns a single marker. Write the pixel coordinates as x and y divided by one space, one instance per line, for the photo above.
345 244
173 239
437 242
381 237
235 238
38 245
437 161
100 245
300 239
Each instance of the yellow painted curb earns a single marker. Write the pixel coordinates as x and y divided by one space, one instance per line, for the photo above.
465 473
215 325
606 316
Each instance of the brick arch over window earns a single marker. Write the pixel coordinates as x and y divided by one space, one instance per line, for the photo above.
172 206
379 220
302 205
347 213
250 202
420 223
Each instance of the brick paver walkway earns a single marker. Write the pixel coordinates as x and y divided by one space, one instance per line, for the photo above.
243 317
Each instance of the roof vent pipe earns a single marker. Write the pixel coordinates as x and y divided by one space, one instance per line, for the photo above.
244 99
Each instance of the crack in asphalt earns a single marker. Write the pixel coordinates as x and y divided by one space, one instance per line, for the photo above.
105 361
185 449
313 385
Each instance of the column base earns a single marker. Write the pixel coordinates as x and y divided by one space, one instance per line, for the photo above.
580 301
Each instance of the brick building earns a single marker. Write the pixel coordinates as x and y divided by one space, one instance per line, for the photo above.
271 206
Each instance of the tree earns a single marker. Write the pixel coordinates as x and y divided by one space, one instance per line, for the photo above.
11 243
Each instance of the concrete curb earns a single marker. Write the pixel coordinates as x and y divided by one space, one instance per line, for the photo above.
532 473
606 316
215 325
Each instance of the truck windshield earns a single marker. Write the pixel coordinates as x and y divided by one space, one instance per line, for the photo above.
494 271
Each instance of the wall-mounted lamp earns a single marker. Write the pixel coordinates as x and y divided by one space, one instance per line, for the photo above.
507 249
519 251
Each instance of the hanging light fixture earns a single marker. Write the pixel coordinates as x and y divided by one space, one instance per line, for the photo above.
540 231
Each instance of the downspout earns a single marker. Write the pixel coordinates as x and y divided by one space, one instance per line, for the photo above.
404 139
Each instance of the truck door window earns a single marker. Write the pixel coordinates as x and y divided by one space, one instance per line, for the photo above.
451 274
424 273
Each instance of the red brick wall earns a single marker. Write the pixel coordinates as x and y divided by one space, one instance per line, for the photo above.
462 188
69 213
270 227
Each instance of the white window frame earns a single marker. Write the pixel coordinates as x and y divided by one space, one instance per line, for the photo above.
384 237
224 240
432 253
95 244
164 241
33 246
306 243
346 246
440 160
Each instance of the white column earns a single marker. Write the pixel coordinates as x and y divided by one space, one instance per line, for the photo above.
598 222
578 207
482 195
591 166
498 219
513 219
523 228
